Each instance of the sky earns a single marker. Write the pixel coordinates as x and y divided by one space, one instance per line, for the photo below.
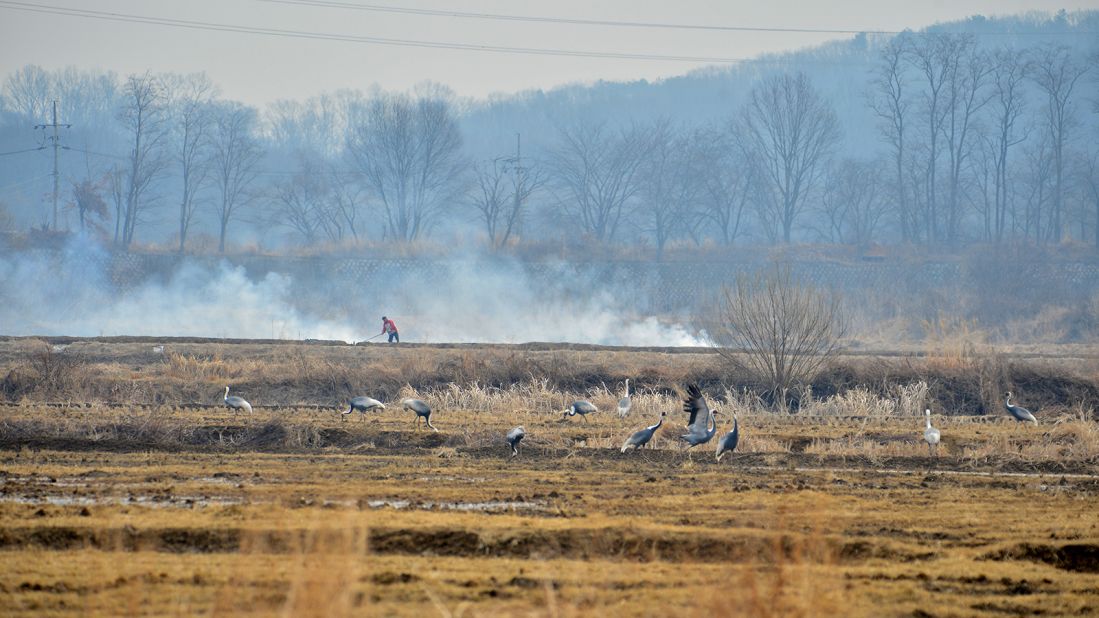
258 69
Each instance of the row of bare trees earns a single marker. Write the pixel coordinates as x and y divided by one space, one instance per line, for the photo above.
954 116
976 144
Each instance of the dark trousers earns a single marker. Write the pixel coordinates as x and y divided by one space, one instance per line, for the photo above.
393 336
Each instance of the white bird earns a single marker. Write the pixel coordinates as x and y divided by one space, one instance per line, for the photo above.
237 403
1020 413
514 437
931 435
421 409
641 437
728 442
363 405
582 407
624 402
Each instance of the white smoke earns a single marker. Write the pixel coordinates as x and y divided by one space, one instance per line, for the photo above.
479 301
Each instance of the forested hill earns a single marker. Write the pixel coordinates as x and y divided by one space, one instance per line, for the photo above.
841 70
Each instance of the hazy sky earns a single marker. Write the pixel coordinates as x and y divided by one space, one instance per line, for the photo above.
258 68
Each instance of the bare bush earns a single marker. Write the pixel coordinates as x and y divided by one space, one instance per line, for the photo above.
782 329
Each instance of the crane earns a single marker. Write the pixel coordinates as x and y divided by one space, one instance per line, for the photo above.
931 435
582 407
1020 413
702 424
641 437
514 437
421 409
728 442
363 405
624 402
236 403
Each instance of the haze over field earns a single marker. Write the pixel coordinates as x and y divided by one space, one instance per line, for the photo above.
955 140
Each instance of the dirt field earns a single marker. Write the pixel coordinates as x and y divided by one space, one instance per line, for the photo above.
131 505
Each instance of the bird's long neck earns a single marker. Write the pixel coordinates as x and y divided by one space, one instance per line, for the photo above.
658 424
226 392
627 387
1008 403
713 424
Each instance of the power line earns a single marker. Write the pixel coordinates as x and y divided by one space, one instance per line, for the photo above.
382 8
201 25
15 152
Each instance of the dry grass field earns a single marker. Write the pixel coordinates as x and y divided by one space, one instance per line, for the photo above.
125 489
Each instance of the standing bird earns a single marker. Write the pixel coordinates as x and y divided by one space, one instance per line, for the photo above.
236 403
582 407
931 436
702 424
728 442
514 437
363 405
421 409
641 437
624 403
1020 413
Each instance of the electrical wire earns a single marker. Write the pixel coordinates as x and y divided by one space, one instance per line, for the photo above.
383 8
15 152
300 34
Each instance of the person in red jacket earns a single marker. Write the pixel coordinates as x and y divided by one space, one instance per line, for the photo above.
389 327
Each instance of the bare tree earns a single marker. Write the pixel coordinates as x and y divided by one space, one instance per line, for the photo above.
1056 72
1008 104
790 131
786 329
302 203
408 150
966 95
598 171
144 116
727 183
193 123
891 103
1088 172
27 92
502 188
669 187
236 152
88 201
852 202
937 59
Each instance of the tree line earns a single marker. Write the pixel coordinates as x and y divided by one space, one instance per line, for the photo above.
975 144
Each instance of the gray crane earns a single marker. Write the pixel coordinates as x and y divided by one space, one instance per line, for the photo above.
728 442
514 437
1020 413
931 435
582 407
363 405
702 424
624 402
421 409
236 403
641 437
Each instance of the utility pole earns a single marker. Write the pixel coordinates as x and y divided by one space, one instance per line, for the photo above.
56 139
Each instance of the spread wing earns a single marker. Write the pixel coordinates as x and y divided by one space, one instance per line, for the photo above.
695 405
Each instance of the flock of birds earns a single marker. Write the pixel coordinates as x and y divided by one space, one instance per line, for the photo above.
701 424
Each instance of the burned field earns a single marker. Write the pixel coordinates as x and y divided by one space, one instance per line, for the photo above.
133 505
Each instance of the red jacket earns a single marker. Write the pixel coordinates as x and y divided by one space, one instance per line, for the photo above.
388 326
